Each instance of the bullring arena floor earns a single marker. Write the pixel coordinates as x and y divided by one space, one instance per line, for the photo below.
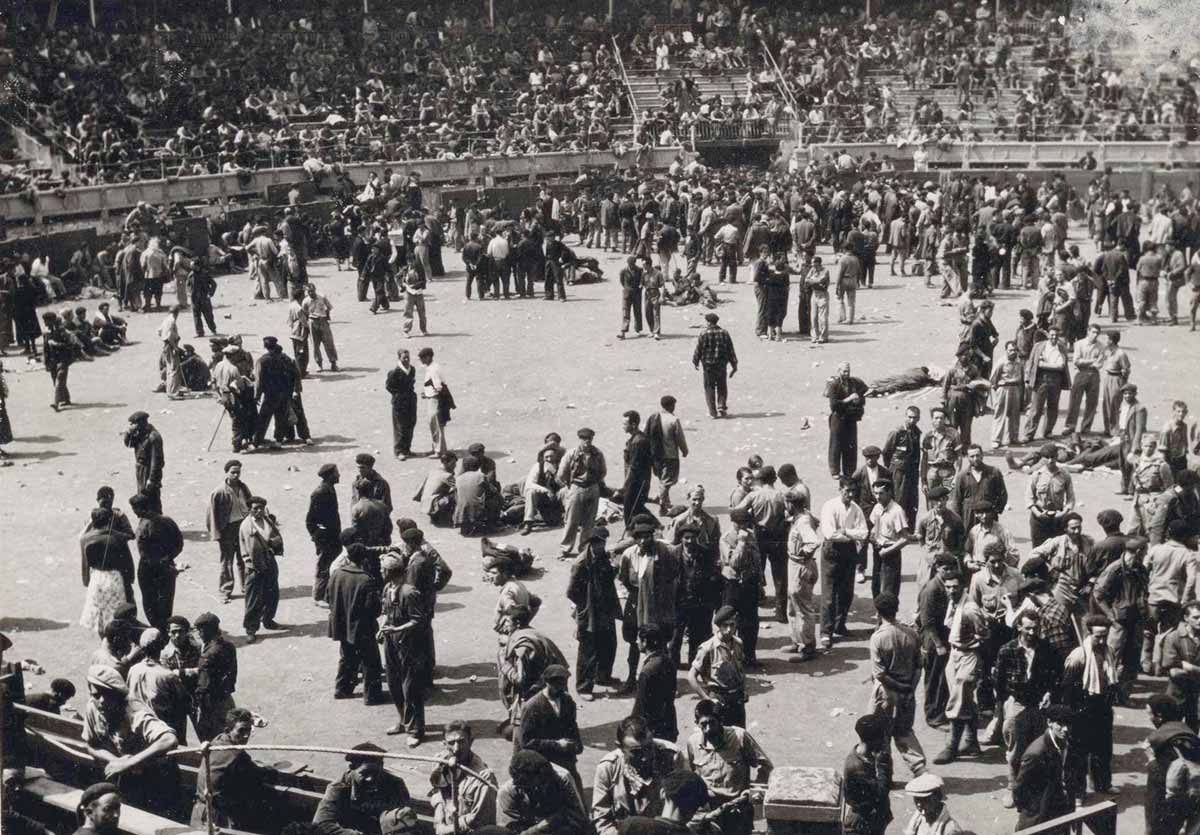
518 369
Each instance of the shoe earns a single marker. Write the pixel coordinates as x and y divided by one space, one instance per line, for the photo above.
413 741
1110 791
947 755
525 530
251 638
587 697
1008 801
309 442
333 366
270 624
862 578
939 721
827 643
628 689
376 698
620 336
395 730
792 650
841 631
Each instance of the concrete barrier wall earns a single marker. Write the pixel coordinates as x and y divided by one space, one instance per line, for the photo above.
1152 155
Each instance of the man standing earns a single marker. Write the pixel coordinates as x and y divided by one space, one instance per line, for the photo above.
1008 395
979 482
1040 790
717 673
1028 675
766 505
438 401
1046 375
714 350
1050 496
742 576
668 444
400 384
261 542
324 524
273 388
649 571
354 608
845 394
317 308
1085 387
941 445
369 484
298 330
414 298
843 528
581 472
895 668
639 466
1151 480
967 630
228 505
1121 593
655 695
699 588
1169 567
593 594
803 543
216 677
159 542
1090 688
631 297
889 534
867 778
902 455
933 602
147 447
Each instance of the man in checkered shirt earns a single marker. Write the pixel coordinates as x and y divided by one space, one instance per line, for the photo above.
714 351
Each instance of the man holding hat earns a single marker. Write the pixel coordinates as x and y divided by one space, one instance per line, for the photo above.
216 677
147 446
928 792
356 800
228 505
714 351
324 524
1090 687
131 742
867 778
581 471
369 483
261 542
354 608
593 594
548 724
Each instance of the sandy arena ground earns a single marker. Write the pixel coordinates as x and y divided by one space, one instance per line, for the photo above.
518 369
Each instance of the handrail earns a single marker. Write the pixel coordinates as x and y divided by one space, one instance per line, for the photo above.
784 86
1100 819
633 108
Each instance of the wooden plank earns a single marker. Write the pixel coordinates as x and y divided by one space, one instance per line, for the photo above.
1100 818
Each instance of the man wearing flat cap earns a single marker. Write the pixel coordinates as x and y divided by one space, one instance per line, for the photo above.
592 591
1071 558
261 543
355 801
354 609
131 742
228 505
931 817
273 388
548 723
581 473
1040 790
147 446
369 483
742 576
867 778
714 351
1090 687
1121 593
324 524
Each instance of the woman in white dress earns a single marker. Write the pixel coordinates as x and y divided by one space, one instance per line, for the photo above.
107 569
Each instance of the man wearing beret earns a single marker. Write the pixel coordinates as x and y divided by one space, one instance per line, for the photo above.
147 446
1090 688
354 802
717 673
548 723
324 524
369 483
967 629
216 677
1040 790
261 542
581 472
592 591
714 351
228 505
940 531
699 592
1150 478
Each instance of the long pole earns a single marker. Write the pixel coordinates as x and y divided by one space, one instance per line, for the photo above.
492 13
208 791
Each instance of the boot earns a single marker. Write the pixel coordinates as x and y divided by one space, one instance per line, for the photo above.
972 739
950 753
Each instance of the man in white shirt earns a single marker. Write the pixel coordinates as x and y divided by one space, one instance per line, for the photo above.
318 309
433 391
843 526
889 534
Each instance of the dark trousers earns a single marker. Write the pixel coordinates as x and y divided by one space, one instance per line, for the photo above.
1042 529
156 579
361 286
837 584
290 431
202 313
404 418
716 389
407 680
355 654
231 559
729 262
1046 395
474 275
594 661
843 446
774 553
58 376
1091 746
379 288
885 572
760 314
696 621
1085 392
327 552
300 354
742 595
804 311
1118 294
262 596
937 691
272 407
151 492
554 278
501 278
631 302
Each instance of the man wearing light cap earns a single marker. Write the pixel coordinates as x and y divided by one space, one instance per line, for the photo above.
714 351
581 471
931 816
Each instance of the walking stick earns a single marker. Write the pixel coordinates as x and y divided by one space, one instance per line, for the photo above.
216 429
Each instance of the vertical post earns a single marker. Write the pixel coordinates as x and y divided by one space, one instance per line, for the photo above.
610 10
208 804
452 773
492 13
92 11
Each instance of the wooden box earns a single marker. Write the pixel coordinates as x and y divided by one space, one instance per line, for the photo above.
803 800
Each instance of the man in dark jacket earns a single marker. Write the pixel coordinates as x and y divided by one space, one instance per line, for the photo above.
932 604
639 468
592 591
655 700
354 607
1040 790
216 677
867 778
239 788
273 390
354 802
159 542
324 524
147 446
845 395
548 724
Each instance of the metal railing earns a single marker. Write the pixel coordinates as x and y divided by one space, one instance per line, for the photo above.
784 88
739 131
633 108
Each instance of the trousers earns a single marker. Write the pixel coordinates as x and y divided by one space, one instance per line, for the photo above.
404 418
327 552
716 389
742 595
1046 394
1085 393
407 678
837 584
156 579
843 446
231 555
579 516
901 709
262 596
696 621
631 302
801 607
594 661
351 656
322 337
937 693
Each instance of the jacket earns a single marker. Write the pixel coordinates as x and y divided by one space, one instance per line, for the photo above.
323 521
541 728
1039 791
347 809
1035 356
259 551
354 605
932 604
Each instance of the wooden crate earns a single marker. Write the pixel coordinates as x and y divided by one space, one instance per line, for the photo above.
803 800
